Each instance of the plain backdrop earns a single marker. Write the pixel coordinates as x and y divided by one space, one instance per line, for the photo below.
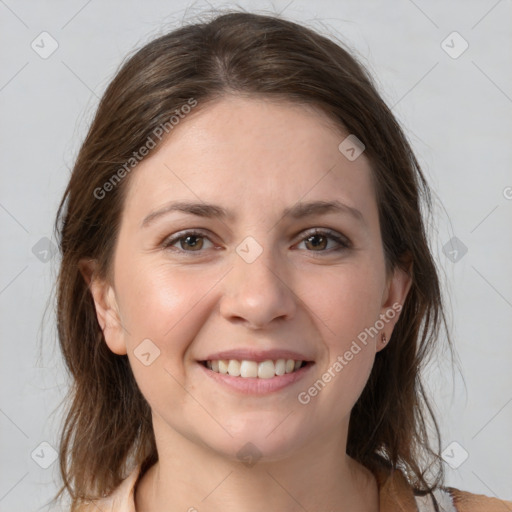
455 104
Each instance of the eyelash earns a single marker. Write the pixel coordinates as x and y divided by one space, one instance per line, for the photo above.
344 243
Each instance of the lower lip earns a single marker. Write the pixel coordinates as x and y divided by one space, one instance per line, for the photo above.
255 385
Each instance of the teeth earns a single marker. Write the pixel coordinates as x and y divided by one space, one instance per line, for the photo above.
223 366
251 369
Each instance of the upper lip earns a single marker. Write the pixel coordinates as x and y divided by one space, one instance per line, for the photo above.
257 355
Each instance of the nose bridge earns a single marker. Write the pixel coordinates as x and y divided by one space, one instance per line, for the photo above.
256 289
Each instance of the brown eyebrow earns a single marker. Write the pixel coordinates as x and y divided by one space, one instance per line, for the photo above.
298 211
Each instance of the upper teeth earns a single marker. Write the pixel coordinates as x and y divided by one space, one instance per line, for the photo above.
264 370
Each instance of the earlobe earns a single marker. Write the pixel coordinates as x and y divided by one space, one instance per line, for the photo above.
105 303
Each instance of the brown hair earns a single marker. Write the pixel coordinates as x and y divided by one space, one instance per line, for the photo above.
108 427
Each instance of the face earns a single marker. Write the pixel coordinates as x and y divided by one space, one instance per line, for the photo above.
188 285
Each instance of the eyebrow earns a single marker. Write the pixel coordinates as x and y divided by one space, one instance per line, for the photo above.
298 211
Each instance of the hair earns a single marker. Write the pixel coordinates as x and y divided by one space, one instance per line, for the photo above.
108 428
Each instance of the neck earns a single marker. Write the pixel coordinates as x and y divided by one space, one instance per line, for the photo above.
318 476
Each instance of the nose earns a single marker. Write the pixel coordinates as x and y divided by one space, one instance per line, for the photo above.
257 293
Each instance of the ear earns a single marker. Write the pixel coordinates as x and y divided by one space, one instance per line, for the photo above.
107 310
395 293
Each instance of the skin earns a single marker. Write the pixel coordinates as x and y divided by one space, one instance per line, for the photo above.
255 157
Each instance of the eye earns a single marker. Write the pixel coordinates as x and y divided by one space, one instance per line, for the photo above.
193 239
318 239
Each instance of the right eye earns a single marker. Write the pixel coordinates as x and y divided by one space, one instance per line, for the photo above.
190 238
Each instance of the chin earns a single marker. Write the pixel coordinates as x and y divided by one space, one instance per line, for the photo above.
263 441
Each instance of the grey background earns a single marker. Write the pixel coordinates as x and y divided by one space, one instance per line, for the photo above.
456 112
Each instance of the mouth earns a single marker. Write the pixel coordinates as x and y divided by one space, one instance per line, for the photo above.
247 369
252 377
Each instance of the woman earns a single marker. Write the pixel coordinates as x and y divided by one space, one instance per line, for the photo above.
246 294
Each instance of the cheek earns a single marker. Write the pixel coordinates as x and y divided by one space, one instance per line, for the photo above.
348 302
348 307
161 303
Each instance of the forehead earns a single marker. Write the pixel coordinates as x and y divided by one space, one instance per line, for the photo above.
244 153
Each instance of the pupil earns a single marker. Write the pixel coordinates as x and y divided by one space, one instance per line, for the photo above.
193 237
316 236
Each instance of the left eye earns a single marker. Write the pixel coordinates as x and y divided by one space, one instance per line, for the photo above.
325 236
317 239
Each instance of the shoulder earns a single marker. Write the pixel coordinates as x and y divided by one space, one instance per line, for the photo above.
120 500
394 489
450 499
465 501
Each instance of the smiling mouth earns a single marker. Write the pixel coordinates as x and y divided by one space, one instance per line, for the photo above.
257 370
